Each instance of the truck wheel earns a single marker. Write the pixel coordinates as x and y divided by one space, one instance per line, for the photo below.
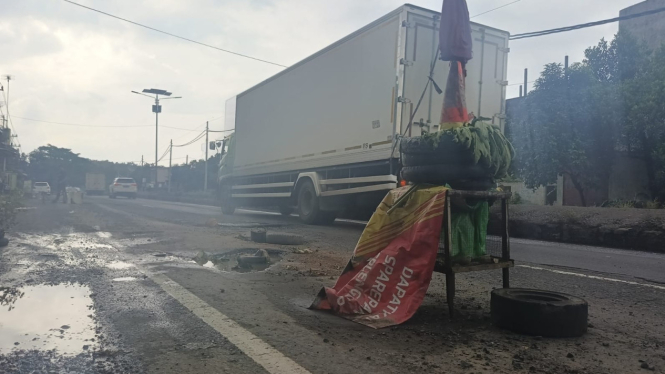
285 210
228 209
541 313
308 205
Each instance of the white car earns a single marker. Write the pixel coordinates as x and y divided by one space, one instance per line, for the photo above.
123 187
41 187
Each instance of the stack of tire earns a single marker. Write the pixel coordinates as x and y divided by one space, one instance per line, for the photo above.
446 162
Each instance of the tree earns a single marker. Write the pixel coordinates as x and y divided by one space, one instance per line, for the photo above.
46 160
644 127
563 132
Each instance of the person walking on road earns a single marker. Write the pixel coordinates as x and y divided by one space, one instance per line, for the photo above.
60 186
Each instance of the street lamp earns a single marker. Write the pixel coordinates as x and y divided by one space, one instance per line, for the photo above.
156 109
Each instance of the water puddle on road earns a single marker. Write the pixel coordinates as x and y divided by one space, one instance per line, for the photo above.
119 265
243 260
46 317
124 279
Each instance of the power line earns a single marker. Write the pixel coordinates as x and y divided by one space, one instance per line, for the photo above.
198 137
499 7
176 36
221 130
101 126
584 25
515 84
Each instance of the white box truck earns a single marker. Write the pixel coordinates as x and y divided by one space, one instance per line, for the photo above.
95 184
320 135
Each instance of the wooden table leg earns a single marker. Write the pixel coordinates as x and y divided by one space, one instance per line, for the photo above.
450 292
506 277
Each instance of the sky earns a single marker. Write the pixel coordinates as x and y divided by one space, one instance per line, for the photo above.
74 66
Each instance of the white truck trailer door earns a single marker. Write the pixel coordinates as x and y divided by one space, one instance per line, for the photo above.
486 72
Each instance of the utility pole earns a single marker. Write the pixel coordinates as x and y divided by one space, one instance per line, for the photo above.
8 77
205 181
170 158
526 78
187 160
141 160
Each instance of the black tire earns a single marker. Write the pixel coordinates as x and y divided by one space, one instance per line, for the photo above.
461 159
308 205
283 238
286 210
540 313
442 174
228 209
258 235
133 196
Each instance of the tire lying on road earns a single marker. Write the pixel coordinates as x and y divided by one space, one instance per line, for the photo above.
541 313
284 238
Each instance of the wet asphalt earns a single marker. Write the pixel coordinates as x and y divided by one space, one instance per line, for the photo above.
83 292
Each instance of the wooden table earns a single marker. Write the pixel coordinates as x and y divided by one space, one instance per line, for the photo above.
444 263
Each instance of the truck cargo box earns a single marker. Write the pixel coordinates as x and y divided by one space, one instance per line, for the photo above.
345 104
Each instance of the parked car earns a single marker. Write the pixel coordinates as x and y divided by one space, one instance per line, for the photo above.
41 187
123 187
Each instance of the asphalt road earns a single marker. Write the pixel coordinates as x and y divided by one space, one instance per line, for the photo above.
111 286
636 264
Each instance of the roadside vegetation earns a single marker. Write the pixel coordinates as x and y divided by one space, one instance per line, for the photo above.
43 164
575 120
9 204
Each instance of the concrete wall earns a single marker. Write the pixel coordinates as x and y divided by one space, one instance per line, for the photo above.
649 29
528 195
628 178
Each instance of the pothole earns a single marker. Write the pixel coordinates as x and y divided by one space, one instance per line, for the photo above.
242 260
47 317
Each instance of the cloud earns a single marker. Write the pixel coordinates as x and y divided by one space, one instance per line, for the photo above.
77 66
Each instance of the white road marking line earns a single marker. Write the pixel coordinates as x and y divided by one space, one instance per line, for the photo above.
593 277
261 352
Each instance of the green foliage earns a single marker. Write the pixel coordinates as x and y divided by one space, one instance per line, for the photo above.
575 120
46 161
489 146
8 208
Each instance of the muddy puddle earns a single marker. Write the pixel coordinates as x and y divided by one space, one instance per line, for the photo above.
47 317
243 260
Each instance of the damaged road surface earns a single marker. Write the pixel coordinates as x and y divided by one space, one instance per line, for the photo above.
140 286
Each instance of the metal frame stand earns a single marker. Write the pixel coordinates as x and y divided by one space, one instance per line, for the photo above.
445 265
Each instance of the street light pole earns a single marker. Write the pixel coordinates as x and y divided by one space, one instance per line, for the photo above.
156 109
170 159
205 181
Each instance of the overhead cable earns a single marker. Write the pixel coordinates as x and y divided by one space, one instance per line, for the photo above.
584 25
176 36
499 7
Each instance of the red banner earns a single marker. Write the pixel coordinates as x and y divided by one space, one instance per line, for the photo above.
385 281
